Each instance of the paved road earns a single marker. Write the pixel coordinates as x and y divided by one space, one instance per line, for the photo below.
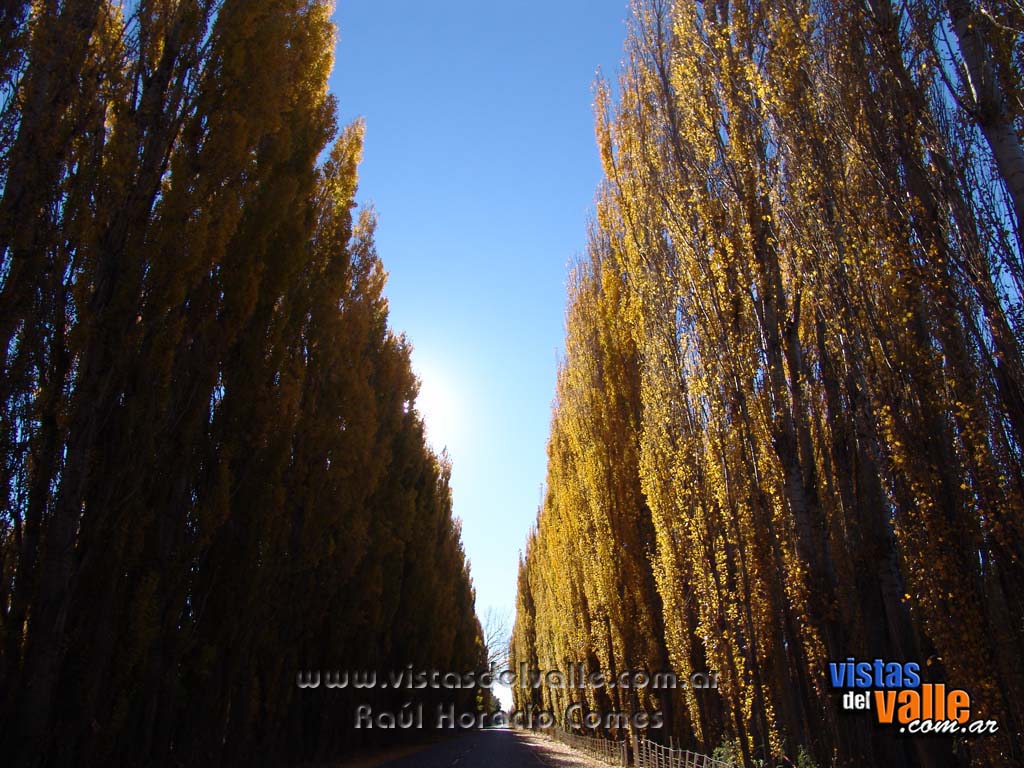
492 748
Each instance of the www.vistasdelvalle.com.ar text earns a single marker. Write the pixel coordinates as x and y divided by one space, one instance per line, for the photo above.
574 676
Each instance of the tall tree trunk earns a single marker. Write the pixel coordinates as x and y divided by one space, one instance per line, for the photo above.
985 95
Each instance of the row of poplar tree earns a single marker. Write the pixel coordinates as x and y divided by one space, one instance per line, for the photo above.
214 477
789 421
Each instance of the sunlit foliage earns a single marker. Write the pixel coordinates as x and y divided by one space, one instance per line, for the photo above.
791 395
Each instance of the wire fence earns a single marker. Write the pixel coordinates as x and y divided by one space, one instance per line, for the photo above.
612 752
641 753
647 754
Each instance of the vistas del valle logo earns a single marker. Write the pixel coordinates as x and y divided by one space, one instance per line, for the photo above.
895 693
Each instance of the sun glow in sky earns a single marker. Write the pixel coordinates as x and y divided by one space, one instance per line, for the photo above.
446 411
481 163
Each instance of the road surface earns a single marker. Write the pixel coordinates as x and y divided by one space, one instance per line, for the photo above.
493 748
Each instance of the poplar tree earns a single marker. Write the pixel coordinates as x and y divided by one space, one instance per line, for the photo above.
811 215
214 473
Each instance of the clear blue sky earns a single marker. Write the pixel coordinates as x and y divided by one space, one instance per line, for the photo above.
481 163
